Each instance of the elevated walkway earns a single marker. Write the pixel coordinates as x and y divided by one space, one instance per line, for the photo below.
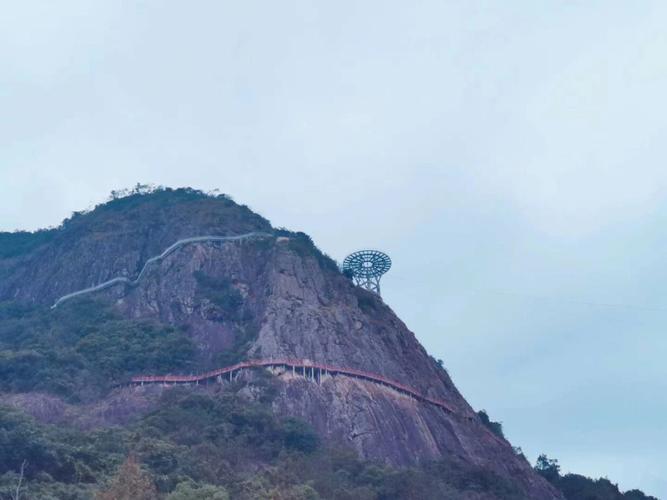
302 367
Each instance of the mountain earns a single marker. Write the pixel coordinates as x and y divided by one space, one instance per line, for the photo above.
180 282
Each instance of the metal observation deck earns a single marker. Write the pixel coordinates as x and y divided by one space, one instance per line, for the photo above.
367 267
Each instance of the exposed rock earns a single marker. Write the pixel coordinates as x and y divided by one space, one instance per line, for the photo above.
295 304
119 408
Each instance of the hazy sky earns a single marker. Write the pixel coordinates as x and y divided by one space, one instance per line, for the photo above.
509 156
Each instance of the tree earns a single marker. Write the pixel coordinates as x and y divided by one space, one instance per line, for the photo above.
548 468
348 273
495 427
130 483
190 491
19 483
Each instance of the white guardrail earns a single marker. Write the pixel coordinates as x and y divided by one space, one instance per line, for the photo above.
157 258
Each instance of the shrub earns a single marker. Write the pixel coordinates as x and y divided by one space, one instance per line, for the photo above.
495 427
22 242
191 491
220 292
302 244
83 348
578 487
299 436
130 483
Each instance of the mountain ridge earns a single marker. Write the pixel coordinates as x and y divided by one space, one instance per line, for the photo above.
232 299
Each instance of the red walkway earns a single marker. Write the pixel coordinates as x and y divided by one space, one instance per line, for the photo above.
307 369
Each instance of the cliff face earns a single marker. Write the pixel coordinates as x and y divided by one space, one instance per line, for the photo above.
269 297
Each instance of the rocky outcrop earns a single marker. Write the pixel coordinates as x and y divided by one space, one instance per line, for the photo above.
116 239
277 297
121 407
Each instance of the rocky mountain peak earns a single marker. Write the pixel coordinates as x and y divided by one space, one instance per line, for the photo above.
253 292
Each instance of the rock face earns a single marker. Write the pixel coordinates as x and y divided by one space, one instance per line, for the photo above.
274 297
119 408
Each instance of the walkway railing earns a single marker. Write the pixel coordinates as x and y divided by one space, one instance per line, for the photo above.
307 368
178 244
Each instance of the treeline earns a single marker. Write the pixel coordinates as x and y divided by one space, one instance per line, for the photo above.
578 487
214 444
218 445
573 486
194 444
17 243
22 242
81 350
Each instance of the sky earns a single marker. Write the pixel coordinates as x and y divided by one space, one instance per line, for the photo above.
509 156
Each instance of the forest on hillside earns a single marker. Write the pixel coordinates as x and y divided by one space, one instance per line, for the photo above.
205 444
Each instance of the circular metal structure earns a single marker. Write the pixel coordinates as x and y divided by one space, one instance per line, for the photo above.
367 267
367 263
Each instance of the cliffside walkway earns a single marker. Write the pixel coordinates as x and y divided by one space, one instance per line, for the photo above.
178 244
302 367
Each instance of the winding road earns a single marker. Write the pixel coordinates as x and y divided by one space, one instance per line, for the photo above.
178 244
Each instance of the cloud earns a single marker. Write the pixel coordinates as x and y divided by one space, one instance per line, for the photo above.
509 157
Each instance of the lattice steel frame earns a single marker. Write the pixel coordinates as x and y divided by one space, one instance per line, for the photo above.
367 267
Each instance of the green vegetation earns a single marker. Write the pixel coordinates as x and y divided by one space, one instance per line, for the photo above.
60 463
192 491
229 300
80 350
577 487
215 445
22 242
201 443
130 483
302 244
367 301
124 199
141 201
495 427
207 443
222 293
